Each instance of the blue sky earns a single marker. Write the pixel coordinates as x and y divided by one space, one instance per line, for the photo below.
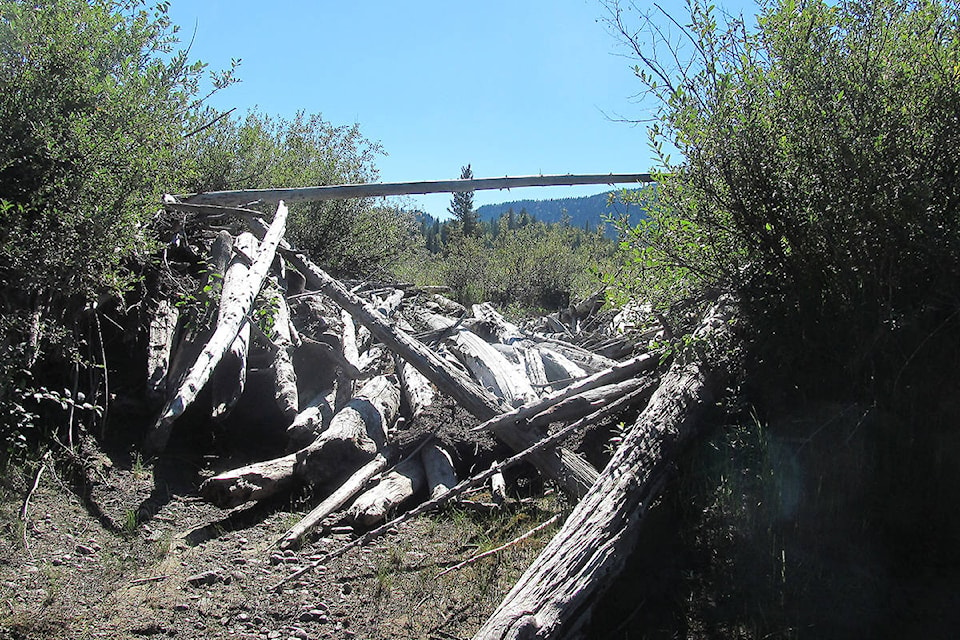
514 87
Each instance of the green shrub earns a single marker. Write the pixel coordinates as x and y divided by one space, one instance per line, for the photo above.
818 174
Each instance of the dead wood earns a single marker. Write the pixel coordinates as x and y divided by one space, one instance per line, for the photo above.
587 360
554 596
492 369
572 472
284 375
557 366
395 487
499 328
438 465
356 433
418 393
354 484
546 444
312 420
230 375
221 340
163 327
582 404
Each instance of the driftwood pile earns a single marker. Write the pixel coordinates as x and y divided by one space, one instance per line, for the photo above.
353 368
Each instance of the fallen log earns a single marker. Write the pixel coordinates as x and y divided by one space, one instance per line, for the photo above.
572 472
230 375
221 340
418 393
557 366
492 369
356 434
163 327
582 404
312 420
587 360
500 329
533 365
553 598
295 536
395 487
284 375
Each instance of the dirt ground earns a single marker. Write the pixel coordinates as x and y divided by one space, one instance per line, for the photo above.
191 571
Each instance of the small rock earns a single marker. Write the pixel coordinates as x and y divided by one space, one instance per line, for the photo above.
181 606
347 589
56 562
274 634
243 617
276 558
314 615
239 561
207 577
84 550
297 632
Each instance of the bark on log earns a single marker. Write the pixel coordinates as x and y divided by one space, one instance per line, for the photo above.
572 472
533 366
585 403
163 327
438 465
230 375
221 340
492 369
395 487
293 538
591 362
356 434
553 598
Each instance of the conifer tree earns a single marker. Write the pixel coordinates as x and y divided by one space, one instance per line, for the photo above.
461 207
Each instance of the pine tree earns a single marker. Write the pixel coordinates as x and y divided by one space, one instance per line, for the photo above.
461 207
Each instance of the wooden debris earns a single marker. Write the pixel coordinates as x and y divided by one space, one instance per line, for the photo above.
438 466
395 487
284 375
492 369
354 484
221 340
163 327
553 598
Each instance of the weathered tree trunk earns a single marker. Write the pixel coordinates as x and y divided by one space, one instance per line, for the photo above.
503 331
418 393
356 433
585 403
395 487
558 367
492 369
553 598
587 360
230 375
296 535
534 367
163 327
221 340
284 375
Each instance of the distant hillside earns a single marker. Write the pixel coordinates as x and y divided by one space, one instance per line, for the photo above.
585 210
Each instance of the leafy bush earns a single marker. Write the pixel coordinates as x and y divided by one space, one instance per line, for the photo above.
348 237
818 173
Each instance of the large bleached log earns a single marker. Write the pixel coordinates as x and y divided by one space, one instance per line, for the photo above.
418 393
222 338
553 598
533 366
356 434
587 360
503 331
395 487
571 472
163 327
284 375
558 367
492 369
294 537
230 375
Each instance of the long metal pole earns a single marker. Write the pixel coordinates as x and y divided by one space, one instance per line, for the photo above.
344 191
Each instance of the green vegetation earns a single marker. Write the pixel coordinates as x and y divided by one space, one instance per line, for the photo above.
817 176
514 261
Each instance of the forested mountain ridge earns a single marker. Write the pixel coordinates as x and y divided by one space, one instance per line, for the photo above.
586 210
